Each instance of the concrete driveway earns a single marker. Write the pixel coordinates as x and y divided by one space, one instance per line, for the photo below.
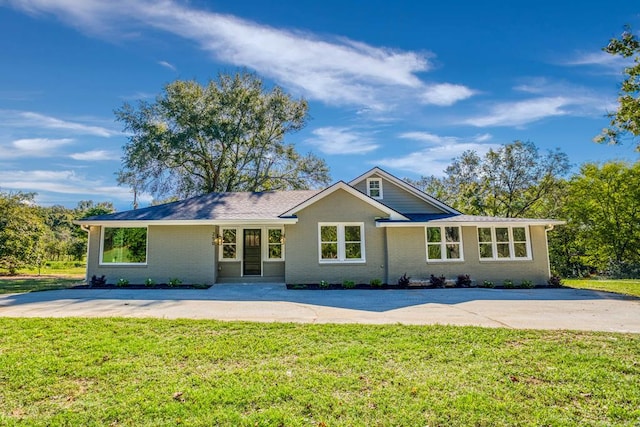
522 309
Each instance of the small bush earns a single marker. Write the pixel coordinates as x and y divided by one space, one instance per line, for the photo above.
122 283
463 280
555 281
299 286
376 283
437 281
98 281
348 284
526 284
508 284
487 284
174 282
149 282
324 284
404 280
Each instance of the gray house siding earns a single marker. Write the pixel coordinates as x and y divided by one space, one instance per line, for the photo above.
398 198
182 252
407 254
302 248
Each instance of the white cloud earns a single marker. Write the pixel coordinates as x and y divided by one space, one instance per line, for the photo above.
34 147
340 140
29 119
446 94
433 159
333 70
522 112
96 155
600 58
167 65
60 182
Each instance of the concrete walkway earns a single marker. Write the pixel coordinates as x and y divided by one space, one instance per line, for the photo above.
522 309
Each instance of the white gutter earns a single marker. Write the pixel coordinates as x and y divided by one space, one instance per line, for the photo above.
142 222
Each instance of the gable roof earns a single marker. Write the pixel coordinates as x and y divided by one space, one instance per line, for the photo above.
341 185
405 186
212 208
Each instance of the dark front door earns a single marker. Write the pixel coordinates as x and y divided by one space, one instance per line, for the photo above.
252 253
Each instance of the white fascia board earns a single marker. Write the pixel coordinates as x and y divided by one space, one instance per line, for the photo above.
498 223
142 223
341 185
410 188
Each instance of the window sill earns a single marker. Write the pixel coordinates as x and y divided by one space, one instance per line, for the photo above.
505 259
444 261
122 264
339 261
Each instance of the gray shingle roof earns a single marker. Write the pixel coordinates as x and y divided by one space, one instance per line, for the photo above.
216 206
476 219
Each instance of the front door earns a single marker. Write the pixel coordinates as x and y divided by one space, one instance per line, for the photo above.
252 253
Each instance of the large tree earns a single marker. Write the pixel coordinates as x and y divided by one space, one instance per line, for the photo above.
225 136
603 206
514 180
21 232
625 121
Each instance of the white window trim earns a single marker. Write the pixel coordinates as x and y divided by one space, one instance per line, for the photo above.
265 257
494 244
341 243
124 264
443 244
379 180
238 245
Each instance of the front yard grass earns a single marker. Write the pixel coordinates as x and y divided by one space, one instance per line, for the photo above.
627 286
18 284
123 372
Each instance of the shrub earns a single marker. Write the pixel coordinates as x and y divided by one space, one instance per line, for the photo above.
98 281
299 286
437 281
348 284
149 282
526 284
463 280
488 284
555 281
508 284
324 284
122 283
376 283
174 282
404 280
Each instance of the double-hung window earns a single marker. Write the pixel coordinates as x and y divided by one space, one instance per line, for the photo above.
374 188
229 244
124 245
504 243
341 242
444 244
275 243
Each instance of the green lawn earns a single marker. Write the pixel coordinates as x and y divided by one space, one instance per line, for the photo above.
17 284
627 287
137 372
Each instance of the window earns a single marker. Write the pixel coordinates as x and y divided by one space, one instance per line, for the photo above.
374 188
124 245
341 242
275 243
503 243
444 244
229 243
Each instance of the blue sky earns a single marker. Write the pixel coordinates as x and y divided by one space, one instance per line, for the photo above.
405 85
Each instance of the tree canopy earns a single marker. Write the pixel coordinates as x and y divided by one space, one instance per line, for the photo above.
21 231
225 136
625 121
511 181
